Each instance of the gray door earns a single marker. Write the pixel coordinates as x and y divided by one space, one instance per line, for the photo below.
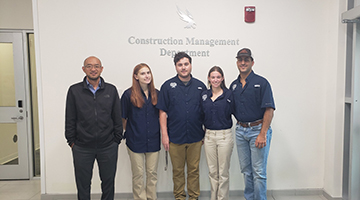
14 158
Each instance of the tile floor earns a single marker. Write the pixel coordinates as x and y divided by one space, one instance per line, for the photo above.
30 190
20 190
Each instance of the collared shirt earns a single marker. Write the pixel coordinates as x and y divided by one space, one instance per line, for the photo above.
182 105
251 100
142 132
217 114
91 87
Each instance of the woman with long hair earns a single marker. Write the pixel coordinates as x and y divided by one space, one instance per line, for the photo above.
142 131
217 104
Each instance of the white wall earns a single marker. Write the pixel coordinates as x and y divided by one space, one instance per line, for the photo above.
295 46
16 14
335 95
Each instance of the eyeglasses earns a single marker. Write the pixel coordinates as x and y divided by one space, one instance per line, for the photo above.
92 66
244 59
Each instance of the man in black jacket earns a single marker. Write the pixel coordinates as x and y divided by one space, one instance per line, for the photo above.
93 129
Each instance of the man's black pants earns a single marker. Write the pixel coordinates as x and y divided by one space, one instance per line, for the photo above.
106 158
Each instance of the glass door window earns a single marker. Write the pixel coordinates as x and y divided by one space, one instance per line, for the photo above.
9 150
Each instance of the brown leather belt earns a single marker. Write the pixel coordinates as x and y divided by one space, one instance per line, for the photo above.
250 124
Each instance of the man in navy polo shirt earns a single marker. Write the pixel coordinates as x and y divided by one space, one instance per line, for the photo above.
181 125
254 109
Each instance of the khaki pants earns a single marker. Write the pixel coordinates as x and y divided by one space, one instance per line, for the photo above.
189 154
218 146
138 161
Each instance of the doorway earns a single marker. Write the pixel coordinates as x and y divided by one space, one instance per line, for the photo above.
14 158
19 132
33 105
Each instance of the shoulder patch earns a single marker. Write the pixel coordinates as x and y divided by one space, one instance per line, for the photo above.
204 97
257 85
234 87
173 84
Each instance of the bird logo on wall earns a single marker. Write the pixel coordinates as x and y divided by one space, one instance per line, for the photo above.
186 18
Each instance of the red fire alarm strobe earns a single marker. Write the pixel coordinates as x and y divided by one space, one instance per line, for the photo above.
249 14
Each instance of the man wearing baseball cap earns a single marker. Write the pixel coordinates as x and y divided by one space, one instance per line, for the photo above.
254 109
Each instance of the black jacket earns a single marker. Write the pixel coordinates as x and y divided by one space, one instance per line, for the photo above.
93 121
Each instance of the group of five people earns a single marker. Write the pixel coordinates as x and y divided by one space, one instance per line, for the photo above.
183 116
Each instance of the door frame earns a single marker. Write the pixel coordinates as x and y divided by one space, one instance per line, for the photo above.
28 118
351 162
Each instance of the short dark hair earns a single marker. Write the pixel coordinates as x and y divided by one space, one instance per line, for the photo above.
180 55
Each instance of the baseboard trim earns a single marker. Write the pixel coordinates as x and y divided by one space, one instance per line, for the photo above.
297 192
328 197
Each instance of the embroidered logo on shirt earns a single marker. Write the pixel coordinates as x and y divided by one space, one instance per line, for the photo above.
256 85
173 84
204 97
234 86
107 96
200 88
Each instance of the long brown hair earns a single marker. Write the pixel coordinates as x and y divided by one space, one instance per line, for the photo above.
136 97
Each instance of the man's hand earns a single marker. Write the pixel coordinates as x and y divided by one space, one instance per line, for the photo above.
260 141
165 141
163 128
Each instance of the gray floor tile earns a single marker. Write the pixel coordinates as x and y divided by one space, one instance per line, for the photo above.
304 197
36 197
30 190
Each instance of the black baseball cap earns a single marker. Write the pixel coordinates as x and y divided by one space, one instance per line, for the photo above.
244 52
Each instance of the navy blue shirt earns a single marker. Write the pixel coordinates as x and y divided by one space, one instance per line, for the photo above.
251 100
217 114
142 128
182 105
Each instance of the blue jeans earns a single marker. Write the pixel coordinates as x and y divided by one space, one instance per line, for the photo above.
253 161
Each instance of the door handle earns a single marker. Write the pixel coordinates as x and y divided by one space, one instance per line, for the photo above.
19 118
